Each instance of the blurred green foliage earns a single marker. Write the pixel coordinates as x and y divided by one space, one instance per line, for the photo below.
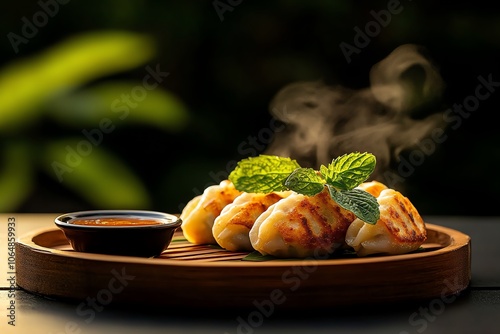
68 84
67 77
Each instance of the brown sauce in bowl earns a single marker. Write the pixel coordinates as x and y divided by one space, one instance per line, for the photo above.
114 221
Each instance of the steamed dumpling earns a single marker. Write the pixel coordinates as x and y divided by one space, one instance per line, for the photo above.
232 226
301 226
399 230
199 214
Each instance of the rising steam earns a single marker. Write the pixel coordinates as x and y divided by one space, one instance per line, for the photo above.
390 116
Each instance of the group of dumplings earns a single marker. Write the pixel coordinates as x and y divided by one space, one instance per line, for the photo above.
291 225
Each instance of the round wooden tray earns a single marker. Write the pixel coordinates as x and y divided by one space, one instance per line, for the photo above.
191 275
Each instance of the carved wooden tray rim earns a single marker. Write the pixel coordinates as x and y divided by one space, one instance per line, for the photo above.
44 268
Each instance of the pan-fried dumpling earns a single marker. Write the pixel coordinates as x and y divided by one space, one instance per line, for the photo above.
372 187
232 226
399 230
199 214
190 206
301 226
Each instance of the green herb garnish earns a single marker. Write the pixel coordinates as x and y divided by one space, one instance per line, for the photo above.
262 174
258 257
268 173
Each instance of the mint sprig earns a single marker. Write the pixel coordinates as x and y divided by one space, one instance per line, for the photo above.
267 173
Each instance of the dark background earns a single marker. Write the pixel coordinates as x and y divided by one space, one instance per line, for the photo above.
227 72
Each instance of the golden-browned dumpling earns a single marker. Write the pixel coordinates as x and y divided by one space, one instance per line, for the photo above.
190 206
373 187
301 226
232 226
399 230
199 214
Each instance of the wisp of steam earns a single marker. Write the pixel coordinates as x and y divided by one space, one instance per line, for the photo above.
398 110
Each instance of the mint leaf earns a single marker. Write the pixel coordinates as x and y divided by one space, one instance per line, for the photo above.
258 257
349 170
363 204
305 181
262 174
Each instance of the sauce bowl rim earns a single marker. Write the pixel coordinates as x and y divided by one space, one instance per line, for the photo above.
167 220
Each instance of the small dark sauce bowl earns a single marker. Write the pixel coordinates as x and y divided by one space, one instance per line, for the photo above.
148 239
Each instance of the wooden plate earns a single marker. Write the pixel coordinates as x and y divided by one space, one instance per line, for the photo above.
190 275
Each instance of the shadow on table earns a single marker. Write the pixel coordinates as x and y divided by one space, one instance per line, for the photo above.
471 310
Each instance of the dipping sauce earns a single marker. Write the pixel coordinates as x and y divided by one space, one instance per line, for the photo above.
114 221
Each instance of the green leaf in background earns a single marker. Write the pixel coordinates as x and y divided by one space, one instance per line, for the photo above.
27 84
16 176
349 170
363 204
262 174
155 107
305 181
94 174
